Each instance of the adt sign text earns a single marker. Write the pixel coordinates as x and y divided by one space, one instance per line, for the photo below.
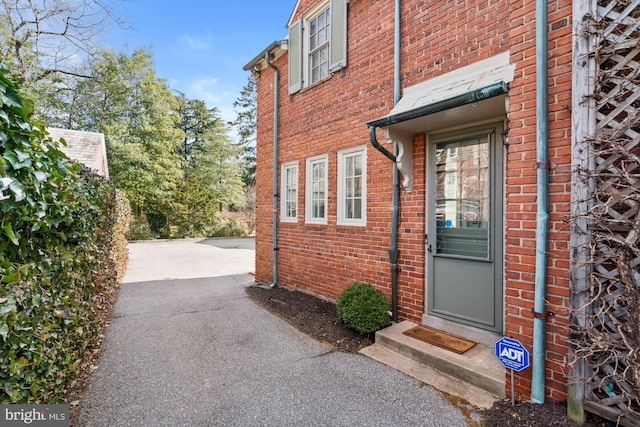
512 354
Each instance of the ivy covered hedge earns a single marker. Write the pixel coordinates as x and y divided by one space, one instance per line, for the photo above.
56 239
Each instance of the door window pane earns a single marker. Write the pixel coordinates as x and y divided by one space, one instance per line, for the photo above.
462 198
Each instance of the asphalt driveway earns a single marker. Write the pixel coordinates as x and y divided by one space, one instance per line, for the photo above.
186 347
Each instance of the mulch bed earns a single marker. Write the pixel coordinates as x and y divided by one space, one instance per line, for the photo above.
318 319
311 315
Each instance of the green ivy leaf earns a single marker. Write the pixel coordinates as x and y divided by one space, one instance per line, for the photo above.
36 300
17 365
24 269
4 331
40 176
17 160
21 155
7 308
11 98
9 232
18 190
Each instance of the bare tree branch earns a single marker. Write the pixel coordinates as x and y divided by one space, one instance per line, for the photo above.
49 37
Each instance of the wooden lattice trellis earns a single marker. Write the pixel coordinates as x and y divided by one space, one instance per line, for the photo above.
606 333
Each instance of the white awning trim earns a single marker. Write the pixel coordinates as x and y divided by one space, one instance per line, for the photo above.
463 80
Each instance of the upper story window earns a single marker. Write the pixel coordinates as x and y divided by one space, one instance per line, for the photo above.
319 30
352 191
316 190
289 192
317 44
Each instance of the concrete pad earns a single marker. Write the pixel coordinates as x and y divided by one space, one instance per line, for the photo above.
477 370
436 379
189 259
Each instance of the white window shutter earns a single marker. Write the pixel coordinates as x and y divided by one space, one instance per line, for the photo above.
295 57
338 55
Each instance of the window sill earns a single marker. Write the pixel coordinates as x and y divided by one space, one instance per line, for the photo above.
315 84
351 224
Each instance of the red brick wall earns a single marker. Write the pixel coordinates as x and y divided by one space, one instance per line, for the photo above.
437 37
325 118
521 191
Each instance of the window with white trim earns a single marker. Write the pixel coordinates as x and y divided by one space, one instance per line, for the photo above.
319 30
289 192
316 190
352 186
317 44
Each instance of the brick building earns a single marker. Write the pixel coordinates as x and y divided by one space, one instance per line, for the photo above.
447 91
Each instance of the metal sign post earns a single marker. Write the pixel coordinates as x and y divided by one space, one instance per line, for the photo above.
512 354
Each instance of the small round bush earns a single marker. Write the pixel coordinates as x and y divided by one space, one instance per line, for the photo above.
363 308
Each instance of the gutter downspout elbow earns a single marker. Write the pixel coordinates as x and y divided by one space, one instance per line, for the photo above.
393 244
374 141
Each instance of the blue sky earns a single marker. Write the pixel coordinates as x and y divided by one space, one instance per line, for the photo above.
200 46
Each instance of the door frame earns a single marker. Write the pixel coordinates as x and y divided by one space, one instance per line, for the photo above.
497 155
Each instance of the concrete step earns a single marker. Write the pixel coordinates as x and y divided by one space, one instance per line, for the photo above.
475 376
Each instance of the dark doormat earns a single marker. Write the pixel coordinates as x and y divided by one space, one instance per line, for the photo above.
440 338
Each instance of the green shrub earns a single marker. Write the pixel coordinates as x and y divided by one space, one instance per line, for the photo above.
139 229
120 252
363 308
56 234
157 223
196 214
226 225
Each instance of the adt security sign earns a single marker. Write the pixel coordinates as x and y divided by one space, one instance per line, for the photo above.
512 354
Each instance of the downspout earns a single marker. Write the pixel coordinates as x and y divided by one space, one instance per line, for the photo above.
276 95
542 216
393 246
395 210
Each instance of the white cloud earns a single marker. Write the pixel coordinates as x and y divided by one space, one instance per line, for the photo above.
197 42
209 90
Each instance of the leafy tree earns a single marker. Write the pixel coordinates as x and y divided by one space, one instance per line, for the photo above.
135 110
194 210
196 121
218 167
245 123
208 154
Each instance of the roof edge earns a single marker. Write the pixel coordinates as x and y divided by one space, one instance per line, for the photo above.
274 46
